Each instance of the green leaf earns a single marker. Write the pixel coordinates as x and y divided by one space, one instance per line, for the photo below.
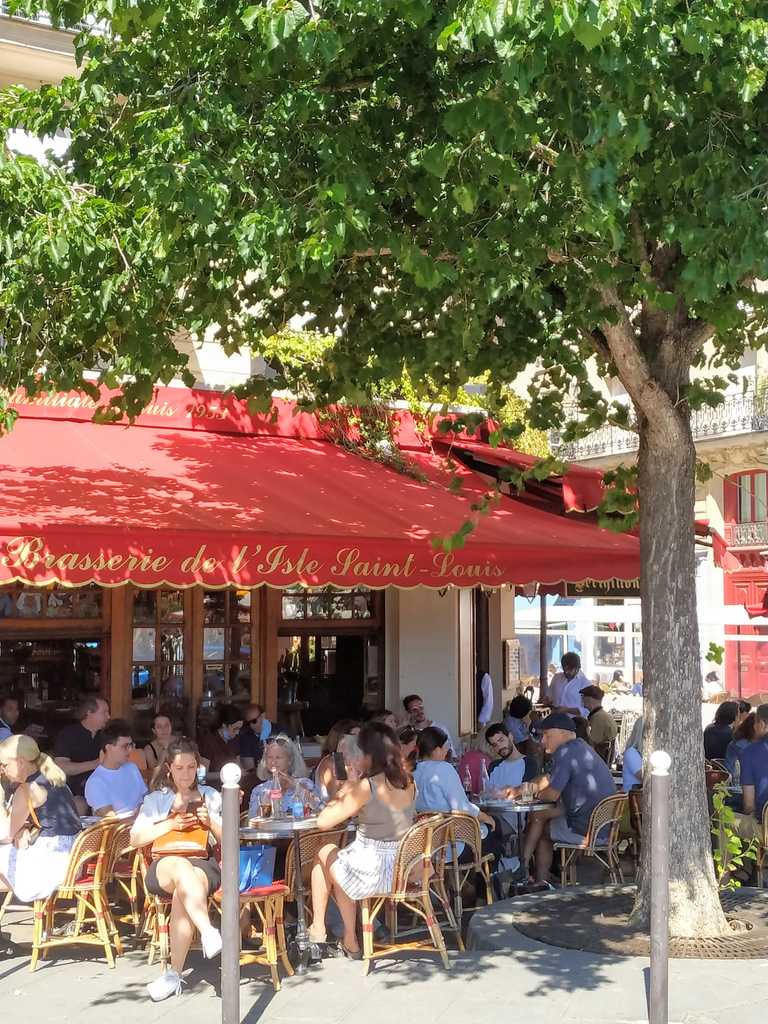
250 15
588 35
437 160
466 197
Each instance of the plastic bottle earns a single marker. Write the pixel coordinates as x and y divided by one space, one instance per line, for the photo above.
297 804
276 796
468 781
485 782
736 777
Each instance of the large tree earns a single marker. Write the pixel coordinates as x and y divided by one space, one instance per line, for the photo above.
460 187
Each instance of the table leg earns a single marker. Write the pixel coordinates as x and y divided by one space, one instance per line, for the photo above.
303 944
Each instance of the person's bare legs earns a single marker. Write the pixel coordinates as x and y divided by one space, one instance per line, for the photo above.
321 884
544 853
181 932
348 910
189 909
535 831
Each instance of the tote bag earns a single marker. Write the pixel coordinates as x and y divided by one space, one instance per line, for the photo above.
257 867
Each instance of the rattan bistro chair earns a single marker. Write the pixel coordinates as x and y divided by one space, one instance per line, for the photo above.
310 844
410 889
466 829
125 871
85 883
762 849
605 818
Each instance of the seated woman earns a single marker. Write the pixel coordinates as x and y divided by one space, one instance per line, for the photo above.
326 782
632 760
178 802
384 803
439 788
162 735
743 735
39 797
282 755
407 736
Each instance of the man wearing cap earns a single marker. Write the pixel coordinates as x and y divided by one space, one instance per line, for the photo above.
601 727
579 780
565 688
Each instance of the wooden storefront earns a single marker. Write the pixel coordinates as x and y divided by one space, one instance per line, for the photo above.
187 650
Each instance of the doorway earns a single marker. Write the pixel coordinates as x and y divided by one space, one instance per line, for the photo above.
330 675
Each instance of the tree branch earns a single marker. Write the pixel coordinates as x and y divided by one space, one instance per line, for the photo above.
631 365
351 86
697 335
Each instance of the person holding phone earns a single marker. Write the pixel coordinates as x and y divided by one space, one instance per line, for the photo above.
178 803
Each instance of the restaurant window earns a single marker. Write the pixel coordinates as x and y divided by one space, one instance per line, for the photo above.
226 646
327 604
53 602
609 644
157 676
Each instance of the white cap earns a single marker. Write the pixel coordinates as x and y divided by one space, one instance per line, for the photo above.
230 776
660 762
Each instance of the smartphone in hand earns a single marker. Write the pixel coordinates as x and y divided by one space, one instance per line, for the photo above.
339 768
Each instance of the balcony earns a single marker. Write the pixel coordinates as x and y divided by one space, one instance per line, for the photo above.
745 413
747 535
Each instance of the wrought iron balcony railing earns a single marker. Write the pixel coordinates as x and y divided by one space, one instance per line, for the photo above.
745 413
747 535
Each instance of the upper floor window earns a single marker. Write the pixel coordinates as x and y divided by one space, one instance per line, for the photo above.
752 504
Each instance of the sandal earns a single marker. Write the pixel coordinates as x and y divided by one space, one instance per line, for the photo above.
350 954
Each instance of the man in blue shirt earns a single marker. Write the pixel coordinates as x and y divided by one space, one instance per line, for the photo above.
754 779
579 780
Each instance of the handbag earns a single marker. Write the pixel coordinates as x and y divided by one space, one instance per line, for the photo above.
257 867
188 842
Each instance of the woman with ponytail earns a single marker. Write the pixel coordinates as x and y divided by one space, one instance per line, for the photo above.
38 820
383 802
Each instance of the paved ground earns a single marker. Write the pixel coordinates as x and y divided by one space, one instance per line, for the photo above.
518 980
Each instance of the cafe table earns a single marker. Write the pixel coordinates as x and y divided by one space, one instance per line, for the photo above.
517 807
267 830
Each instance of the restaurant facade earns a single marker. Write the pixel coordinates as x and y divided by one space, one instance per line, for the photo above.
205 554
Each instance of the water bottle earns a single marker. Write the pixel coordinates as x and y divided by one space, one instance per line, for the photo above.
202 773
485 782
297 804
276 796
736 777
468 780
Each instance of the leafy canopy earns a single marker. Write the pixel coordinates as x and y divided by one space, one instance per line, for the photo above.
452 187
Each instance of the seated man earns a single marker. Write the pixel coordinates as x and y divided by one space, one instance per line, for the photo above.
255 732
510 768
754 779
9 716
578 782
414 708
601 728
78 746
116 786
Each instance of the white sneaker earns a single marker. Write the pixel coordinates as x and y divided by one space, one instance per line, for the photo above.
168 984
210 940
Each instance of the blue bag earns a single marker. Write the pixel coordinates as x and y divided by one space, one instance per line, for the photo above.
257 866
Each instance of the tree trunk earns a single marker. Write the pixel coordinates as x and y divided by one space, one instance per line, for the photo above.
672 671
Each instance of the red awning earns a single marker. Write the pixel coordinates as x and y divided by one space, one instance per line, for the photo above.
578 490
221 497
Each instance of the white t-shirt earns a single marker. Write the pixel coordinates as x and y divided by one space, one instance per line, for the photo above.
121 788
157 806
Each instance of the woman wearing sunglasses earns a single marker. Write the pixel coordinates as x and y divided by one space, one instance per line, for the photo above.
283 756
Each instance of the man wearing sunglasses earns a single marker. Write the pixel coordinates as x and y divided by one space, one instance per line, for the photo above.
256 731
116 786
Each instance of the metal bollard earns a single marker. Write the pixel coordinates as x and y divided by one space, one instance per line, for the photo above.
659 998
230 895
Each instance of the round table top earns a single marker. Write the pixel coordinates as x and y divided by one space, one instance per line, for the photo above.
271 828
517 806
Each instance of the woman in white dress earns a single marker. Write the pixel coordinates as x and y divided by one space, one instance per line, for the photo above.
37 797
384 803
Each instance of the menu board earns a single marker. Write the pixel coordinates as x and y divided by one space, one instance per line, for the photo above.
511 664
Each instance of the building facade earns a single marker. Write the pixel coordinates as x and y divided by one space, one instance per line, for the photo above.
732 439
